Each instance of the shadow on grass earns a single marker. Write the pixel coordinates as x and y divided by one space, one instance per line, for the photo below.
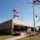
4 34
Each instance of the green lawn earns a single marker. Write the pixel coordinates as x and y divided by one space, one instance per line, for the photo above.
37 37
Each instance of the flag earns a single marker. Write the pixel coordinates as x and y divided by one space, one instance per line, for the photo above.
36 1
16 13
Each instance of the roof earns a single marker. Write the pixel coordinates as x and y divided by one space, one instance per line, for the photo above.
18 22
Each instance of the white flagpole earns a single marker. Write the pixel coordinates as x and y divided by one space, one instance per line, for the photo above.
12 28
34 15
35 2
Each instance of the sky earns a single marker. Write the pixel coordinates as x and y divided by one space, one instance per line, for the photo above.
24 6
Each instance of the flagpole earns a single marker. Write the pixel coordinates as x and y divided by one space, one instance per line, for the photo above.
12 27
35 2
14 15
34 16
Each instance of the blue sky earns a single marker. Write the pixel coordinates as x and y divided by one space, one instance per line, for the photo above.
24 6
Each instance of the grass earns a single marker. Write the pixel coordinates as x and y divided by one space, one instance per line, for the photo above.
37 37
4 36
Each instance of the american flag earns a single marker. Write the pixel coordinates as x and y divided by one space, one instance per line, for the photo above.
16 13
36 1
